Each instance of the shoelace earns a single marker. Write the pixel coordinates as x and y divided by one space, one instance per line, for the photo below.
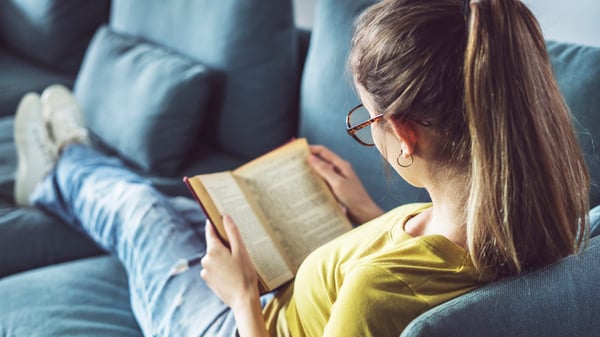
68 127
44 143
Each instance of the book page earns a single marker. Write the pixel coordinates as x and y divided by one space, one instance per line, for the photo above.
229 199
302 210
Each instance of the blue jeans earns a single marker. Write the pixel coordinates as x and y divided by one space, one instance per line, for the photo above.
159 240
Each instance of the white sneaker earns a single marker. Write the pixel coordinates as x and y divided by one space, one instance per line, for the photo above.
36 151
64 115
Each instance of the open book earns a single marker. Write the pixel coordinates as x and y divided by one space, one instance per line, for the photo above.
283 209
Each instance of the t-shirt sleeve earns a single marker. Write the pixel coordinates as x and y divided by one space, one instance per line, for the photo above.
367 305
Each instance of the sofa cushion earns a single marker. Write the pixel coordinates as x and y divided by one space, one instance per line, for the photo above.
29 237
8 158
143 101
82 298
577 69
207 160
18 77
53 32
327 94
32 239
252 44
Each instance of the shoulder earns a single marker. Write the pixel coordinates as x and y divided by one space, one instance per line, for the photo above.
384 303
429 269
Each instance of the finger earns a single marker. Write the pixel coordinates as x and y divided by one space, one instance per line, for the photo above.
206 276
326 154
233 233
326 170
340 165
316 149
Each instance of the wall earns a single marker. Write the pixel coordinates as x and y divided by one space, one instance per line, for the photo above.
573 20
563 20
304 10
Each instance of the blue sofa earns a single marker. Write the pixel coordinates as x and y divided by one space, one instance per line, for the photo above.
179 88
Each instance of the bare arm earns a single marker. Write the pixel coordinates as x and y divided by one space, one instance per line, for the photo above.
344 183
249 318
229 272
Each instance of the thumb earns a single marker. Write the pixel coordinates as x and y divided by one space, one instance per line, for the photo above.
233 233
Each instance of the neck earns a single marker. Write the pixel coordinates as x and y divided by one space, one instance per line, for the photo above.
447 216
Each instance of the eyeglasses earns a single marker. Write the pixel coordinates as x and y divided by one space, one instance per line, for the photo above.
358 120
357 125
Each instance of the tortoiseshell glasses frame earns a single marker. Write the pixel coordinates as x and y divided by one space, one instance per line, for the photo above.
352 130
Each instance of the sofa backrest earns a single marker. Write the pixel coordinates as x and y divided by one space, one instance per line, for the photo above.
54 33
577 70
252 47
327 94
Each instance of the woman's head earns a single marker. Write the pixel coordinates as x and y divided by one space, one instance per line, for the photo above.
408 56
485 83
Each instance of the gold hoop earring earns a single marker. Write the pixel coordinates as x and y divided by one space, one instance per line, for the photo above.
410 162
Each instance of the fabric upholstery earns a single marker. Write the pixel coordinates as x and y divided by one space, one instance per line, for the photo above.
33 239
327 95
577 70
207 160
51 32
253 111
8 158
141 100
82 298
19 76
251 44
595 221
560 300
29 237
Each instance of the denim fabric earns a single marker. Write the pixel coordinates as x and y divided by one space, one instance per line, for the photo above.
160 241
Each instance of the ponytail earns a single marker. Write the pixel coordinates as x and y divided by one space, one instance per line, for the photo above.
489 91
529 189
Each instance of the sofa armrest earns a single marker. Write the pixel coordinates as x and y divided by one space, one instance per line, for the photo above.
559 300
595 221
303 44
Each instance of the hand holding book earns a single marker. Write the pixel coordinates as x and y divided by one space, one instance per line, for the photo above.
228 271
283 208
347 188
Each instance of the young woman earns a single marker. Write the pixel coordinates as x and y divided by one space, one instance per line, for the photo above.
459 98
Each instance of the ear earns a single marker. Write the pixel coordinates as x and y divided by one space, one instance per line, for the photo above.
406 133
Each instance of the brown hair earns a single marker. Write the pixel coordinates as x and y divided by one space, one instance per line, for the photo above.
488 88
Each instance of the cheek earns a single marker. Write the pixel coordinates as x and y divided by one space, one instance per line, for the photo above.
384 141
378 139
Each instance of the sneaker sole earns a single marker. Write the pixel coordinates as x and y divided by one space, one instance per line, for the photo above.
29 111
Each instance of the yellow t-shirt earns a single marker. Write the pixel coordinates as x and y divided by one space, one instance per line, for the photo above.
372 281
